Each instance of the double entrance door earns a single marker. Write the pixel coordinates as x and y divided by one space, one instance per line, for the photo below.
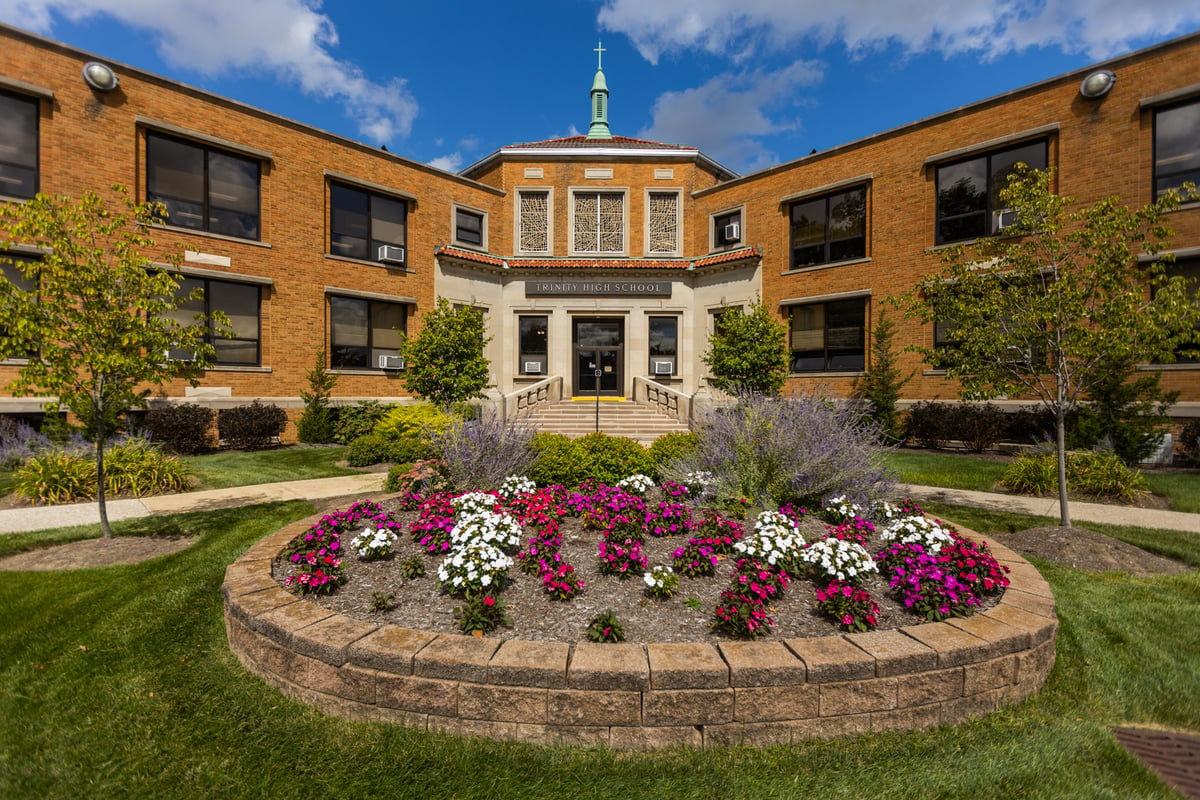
599 356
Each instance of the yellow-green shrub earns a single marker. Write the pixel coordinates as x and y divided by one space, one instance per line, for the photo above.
133 467
413 421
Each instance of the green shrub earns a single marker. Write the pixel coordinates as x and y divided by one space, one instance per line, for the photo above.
315 425
670 447
558 461
351 422
375 448
608 459
1189 441
413 421
56 477
926 424
1089 472
134 467
252 427
184 429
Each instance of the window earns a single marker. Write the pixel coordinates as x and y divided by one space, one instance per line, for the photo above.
968 192
1190 269
18 145
599 222
830 228
662 223
727 228
533 235
1176 146
363 330
241 303
468 228
361 222
533 344
13 273
829 337
664 345
203 188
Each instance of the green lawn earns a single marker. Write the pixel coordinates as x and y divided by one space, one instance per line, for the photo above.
118 682
222 470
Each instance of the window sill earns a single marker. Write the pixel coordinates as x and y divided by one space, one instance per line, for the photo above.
206 235
849 373
935 373
365 263
850 262
1191 205
234 368
376 373
1178 366
15 362
8 198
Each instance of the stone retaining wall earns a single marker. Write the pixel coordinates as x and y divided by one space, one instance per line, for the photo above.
641 696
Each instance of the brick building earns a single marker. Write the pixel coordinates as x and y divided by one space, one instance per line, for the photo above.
596 258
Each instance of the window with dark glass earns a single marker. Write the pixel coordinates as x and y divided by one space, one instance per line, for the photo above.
241 303
828 337
18 145
363 330
533 344
1188 269
204 188
1176 146
13 273
968 191
664 345
830 228
361 222
468 227
727 228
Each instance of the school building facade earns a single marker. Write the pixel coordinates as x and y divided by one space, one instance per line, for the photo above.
602 263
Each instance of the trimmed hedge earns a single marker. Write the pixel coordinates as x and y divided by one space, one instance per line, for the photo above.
375 448
597 456
184 429
253 427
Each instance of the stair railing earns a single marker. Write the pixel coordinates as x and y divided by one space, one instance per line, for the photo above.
663 399
547 390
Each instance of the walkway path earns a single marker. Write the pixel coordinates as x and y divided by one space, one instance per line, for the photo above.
324 489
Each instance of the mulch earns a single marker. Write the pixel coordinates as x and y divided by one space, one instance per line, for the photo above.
1173 756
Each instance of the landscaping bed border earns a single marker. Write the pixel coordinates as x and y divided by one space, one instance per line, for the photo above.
635 696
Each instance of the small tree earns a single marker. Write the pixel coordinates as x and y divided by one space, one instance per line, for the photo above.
1041 313
445 363
882 384
315 425
1127 412
100 319
748 353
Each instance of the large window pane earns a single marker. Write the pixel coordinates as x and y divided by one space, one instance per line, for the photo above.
828 229
203 188
1176 147
233 195
14 275
18 146
533 344
664 336
468 228
363 330
240 303
828 336
968 192
349 221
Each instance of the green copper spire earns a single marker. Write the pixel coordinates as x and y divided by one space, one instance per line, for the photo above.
599 127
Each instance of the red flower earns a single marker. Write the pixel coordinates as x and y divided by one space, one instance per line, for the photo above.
489 601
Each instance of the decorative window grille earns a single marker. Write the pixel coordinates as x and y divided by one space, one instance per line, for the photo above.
599 222
535 222
663 223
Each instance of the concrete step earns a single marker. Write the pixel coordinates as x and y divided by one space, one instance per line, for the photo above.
617 418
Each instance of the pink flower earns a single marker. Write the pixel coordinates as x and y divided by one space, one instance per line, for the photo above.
489 601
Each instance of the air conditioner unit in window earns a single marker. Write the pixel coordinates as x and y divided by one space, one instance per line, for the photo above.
391 362
1004 218
391 254
179 355
733 232
533 368
664 367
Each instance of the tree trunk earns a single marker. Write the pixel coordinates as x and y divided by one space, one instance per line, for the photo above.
1064 509
100 432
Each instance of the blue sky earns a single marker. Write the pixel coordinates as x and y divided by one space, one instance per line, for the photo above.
752 83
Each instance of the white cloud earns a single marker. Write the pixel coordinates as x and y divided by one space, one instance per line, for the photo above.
988 27
450 163
726 116
289 38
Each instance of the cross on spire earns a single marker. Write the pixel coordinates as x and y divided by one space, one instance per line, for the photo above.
599 51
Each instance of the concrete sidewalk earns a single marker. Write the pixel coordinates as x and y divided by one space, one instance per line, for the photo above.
37 518
43 517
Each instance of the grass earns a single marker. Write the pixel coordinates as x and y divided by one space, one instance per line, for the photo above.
118 682
223 470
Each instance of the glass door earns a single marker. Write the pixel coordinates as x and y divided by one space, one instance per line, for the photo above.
599 357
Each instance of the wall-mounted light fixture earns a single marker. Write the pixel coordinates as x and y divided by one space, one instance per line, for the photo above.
100 76
1098 84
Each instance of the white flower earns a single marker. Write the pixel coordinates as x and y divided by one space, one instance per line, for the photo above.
515 485
372 544
637 484
838 558
918 530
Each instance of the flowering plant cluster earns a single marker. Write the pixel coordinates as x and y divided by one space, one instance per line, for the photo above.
742 608
837 510
850 606
668 519
856 530
316 553
622 558
435 519
501 530
481 613
775 541
607 503
372 545
949 583
637 484
560 582
540 510
718 532
674 489
661 582
695 560
472 503
838 558
605 627
794 512
926 532
516 485
697 481
883 510
474 567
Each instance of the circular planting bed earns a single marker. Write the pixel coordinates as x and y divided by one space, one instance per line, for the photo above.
702 693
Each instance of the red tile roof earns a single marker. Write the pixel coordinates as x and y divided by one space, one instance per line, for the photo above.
624 142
